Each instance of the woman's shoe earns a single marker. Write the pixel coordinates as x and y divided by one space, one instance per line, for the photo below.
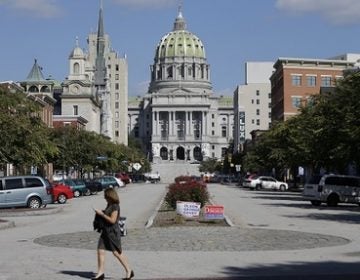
100 277
132 274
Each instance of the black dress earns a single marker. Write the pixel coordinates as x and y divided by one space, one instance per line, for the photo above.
110 235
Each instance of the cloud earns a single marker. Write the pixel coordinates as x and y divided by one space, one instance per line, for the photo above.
339 12
147 3
40 8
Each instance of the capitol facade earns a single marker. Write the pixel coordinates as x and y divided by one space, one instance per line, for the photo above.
180 118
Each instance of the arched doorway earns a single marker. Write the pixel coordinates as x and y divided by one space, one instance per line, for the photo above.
164 153
197 154
180 153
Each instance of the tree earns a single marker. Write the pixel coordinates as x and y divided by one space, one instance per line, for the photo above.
25 139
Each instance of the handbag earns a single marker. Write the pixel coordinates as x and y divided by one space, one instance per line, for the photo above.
122 226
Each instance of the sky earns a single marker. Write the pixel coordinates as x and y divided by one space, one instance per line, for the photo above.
232 31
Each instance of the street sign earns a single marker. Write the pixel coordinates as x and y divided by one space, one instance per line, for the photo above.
136 166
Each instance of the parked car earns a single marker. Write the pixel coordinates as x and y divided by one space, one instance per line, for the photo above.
123 177
152 177
247 180
332 189
92 186
24 191
267 182
61 192
78 187
108 182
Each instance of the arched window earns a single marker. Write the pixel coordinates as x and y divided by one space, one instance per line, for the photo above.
76 68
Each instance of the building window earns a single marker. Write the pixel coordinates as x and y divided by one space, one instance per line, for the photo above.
116 95
116 76
296 101
117 86
311 81
326 81
75 110
296 80
213 116
212 132
117 67
269 115
116 105
258 112
76 68
117 115
213 147
257 101
252 101
269 105
269 95
116 124
257 92
257 122
213 124
116 133
213 155
252 121
223 131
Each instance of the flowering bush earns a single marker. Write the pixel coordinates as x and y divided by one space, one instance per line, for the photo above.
187 190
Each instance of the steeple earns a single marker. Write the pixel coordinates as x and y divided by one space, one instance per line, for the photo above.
35 73
100 69
180 23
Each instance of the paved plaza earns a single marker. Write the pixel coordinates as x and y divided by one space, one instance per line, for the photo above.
274 236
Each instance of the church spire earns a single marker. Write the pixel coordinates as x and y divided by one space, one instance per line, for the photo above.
180 23
100 69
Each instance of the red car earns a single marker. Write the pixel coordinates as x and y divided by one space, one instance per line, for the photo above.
124 177
61 192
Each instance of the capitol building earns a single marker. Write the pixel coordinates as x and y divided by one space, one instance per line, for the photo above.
180 118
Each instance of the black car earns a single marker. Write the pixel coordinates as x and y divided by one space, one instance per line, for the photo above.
93 186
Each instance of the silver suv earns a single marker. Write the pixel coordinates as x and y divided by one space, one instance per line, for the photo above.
332 189
24 191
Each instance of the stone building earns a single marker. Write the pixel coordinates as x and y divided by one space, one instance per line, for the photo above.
180 118
97 86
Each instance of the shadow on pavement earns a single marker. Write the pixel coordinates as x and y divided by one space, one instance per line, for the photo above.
297 271
82 274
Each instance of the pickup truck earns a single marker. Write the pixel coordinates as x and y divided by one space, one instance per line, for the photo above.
152 177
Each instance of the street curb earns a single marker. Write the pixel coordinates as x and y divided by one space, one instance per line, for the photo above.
150 221
30 212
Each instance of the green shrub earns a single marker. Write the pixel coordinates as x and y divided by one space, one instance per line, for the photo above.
187 190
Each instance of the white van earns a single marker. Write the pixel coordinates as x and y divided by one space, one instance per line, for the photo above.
332 189
24 191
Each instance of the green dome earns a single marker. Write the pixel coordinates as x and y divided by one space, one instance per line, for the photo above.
180 43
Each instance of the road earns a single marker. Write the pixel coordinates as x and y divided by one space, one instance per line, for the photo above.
274 236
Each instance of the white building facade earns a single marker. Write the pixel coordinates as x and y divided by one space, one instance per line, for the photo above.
252 102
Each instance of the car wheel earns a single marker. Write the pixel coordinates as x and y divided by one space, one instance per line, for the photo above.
258 187
315 202
332 200
62 198
76 193
87 192
34 203
282 188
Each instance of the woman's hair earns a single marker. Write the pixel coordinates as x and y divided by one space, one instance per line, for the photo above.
111 196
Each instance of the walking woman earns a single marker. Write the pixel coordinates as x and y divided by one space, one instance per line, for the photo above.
110 235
